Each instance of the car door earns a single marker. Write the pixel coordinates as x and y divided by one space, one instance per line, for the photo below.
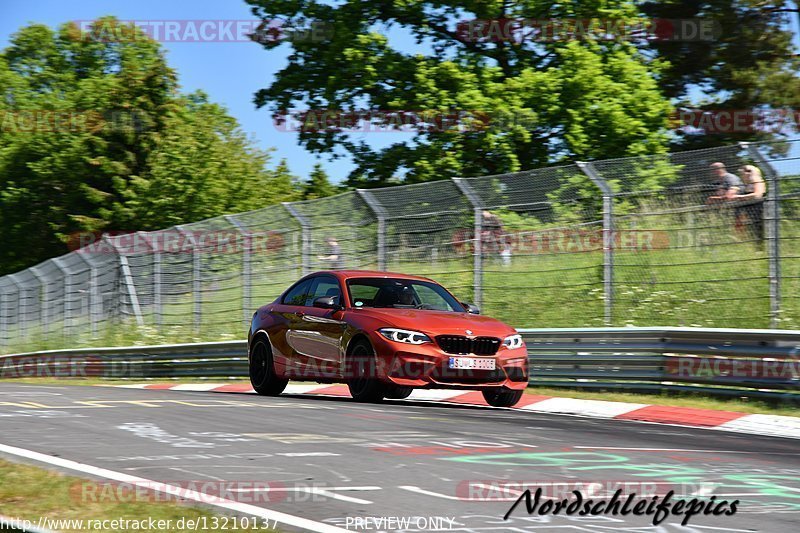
287 317
316 336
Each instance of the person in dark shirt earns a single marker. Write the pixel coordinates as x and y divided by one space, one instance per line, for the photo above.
334 254
728 185
491 233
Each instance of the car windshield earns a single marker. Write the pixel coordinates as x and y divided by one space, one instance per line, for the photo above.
401 294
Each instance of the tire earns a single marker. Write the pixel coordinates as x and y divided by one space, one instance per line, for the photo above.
502 397
399 393
361 380
262 370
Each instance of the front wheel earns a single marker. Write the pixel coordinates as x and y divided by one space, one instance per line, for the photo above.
362 376
399 393
262 370
502 397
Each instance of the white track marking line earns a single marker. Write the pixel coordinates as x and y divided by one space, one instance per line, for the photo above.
412 488
191 495
594 408
328 492
752 424
768 425
295 388
657 449
199 387
435 395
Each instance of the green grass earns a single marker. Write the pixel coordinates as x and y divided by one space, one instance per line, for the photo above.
28 492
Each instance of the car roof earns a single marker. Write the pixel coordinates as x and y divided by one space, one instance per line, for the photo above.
349 274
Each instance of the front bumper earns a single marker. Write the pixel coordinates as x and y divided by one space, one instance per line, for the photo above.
426 366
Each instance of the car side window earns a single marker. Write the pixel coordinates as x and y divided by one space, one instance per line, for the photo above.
325 286
298 294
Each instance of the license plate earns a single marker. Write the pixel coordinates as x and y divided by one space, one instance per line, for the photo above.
472 363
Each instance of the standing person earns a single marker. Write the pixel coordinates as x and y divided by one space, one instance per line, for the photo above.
492 232
751 212
334 254
728 185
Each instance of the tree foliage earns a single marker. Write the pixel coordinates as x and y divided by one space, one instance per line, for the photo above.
750 64
545 101
318 184
95 136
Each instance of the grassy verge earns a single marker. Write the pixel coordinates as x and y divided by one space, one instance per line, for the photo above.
28 492
112 382
742 405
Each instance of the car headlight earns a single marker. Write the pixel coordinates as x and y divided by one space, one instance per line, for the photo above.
404 335
513 341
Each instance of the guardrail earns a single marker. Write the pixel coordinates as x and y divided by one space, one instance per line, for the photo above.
726 362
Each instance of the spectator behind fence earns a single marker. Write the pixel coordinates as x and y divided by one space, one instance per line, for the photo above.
728 185
751 213
492 233
334 254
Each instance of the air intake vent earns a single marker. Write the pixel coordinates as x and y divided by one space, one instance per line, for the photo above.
460 345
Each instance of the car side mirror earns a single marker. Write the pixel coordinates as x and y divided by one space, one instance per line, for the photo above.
327 302
471 309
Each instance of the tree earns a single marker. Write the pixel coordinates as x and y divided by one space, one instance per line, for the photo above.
532 104
204 166
750 64
318 185
95 136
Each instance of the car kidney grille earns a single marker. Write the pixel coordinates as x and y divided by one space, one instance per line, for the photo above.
458 344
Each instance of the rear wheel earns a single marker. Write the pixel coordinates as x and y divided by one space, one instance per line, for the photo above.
262 370
362 379
502 397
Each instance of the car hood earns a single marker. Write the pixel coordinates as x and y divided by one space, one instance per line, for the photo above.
440 322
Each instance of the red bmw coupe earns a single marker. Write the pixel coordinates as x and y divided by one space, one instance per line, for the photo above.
383 334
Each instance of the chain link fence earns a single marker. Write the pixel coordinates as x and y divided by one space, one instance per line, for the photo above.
615 242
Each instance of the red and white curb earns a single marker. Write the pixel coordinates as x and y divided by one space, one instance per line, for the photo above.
770 425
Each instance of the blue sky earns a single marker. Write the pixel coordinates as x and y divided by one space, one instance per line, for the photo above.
229 72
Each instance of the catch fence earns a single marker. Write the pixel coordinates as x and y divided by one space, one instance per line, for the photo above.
630 241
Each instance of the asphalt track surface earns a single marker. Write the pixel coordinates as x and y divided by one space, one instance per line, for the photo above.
334 461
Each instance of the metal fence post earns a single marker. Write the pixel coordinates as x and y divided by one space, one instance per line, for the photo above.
67 292
127 280
772 217
608 237
196 279
4 330
158 299
44 308
23 306
477 260
247 269
93 293
305 226
380 214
